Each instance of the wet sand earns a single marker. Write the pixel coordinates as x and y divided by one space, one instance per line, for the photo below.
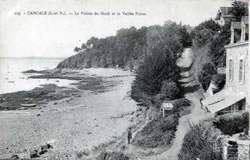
82 120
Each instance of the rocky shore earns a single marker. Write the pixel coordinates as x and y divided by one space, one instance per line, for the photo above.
71 120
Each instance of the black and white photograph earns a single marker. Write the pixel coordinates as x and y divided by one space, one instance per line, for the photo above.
124 80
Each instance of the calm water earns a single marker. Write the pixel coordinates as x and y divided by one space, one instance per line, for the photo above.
12 79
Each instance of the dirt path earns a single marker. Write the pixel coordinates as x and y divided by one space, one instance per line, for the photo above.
194 117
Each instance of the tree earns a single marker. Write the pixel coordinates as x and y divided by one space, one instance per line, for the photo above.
205 76
239 9
77 49
217 50
159 68
204 32
83 46
92 42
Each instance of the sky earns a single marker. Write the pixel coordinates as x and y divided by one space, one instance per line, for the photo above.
58 35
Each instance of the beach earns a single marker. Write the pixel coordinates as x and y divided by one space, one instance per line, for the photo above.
83 118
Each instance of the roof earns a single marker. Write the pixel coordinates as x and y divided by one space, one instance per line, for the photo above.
167 106
222 100
226 10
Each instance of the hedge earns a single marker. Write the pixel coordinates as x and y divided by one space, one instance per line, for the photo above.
199 143
232 123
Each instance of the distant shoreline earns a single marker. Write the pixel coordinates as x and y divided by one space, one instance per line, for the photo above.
33 57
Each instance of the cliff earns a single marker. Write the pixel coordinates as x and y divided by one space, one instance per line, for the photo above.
126 49
123 50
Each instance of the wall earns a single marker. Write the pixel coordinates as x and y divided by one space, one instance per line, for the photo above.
243 149
236 52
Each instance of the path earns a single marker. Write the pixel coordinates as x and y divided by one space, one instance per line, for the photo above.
194 117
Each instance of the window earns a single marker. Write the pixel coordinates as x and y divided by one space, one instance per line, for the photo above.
241 71
230 69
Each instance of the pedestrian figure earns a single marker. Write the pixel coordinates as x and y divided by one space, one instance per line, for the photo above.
201 99
129 135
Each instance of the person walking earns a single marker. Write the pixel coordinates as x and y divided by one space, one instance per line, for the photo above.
201 99
129 135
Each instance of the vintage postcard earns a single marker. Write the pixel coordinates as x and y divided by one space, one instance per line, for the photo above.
124 80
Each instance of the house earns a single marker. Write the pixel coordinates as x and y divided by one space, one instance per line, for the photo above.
224 16
236 94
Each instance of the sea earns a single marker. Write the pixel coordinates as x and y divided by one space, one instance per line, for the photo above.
12 79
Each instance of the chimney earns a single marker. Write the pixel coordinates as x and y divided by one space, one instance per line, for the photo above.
232 34
243 30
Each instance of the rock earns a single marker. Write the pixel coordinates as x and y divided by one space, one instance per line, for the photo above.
14 157
139 109
46 146
34 154
38 115
2 100
89 133
55 103
43 151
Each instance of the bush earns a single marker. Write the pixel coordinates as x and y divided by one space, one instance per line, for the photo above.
181 106
170 90
205 76
198 143
159 66
112 156
219 80
232 123
159 132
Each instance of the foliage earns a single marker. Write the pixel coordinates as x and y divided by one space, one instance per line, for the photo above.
232 123
239 9
170 90
181 106
211 36
217 50
77 49
204 32
112 156
205 76
219 80
126 47
83 46
159 74
159 132
199 143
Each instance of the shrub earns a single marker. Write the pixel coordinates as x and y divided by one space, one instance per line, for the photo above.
205 76
170 90
219 80
181 106
232 123
198 143
159 66
159 132
112 156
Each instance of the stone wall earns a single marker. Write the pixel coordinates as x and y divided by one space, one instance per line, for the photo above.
243 149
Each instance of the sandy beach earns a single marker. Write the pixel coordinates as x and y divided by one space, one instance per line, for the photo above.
81 120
